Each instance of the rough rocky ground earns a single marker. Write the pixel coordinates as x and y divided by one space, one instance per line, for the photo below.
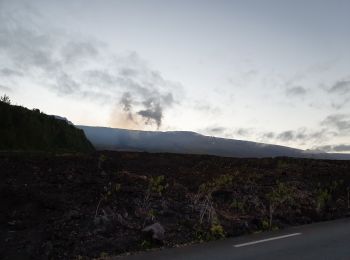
91 206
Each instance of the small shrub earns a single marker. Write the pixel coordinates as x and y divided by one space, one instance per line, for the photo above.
203 200
322 199
265 225
155 186
222 181
217 230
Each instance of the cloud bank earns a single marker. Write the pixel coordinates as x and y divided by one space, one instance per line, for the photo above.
81 67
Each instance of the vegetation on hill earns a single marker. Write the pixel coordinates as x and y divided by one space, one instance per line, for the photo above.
22 129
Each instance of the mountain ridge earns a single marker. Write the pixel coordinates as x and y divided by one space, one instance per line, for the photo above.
188 142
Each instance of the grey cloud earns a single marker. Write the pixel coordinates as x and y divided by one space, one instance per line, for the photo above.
303 134
6 72
334 148
296 91
30 52
227 132
342 91
340 87
128 72
126 102
320 135
312 70
286 136
145 97
4 88
100 78
154 107
268 135
26 47
300 135
66 84
341 148
168 99
75 51
73 65
340 103
340 122
215 130
96 96
205 107
153 112
243 131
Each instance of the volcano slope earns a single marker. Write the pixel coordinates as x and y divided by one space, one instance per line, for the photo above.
90 206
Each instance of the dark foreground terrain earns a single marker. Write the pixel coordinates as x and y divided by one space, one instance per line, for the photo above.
323 240
91 206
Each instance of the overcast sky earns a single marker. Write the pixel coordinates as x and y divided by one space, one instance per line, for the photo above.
271 71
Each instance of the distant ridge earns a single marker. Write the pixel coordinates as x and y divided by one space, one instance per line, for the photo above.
104 138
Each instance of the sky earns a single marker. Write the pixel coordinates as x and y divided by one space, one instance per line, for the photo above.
272 71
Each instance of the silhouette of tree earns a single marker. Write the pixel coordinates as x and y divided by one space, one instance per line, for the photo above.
5 99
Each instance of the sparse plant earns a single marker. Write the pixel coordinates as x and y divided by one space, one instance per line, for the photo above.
108 190
204 201
279 195
206 208
207 189
324 195
157 186
322 198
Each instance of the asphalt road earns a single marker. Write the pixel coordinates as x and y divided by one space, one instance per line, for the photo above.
327 240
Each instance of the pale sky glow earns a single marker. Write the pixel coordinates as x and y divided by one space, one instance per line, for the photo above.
265 70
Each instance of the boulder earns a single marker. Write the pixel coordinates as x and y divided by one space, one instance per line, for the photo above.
156 230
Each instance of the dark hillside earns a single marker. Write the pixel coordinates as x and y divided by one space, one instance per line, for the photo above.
22 129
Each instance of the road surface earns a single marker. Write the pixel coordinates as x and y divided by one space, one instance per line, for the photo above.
327 240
